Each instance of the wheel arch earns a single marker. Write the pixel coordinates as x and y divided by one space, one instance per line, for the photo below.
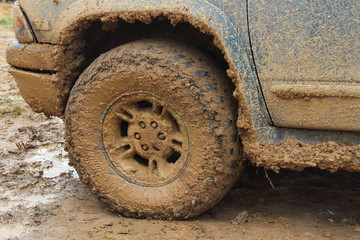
205 18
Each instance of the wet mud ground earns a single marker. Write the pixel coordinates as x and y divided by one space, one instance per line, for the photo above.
41 197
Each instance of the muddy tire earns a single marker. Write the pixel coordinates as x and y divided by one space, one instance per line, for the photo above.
151 129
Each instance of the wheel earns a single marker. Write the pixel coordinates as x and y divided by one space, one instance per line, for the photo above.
151 128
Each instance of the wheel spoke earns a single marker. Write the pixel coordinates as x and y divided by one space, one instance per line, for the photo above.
121 142
127 113
122 147
177 137
162 167
176 147
125 116
157 109
152 164
125 151
166 114
128 153
176 142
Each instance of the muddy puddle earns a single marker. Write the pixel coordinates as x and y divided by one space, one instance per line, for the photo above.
55 160
47 162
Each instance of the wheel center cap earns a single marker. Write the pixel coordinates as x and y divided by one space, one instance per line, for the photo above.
150 134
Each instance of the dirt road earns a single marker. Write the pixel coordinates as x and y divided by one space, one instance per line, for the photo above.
41 197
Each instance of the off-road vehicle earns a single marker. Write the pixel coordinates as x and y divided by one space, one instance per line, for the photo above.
163 99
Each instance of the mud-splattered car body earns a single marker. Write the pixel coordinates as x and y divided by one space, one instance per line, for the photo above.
294 64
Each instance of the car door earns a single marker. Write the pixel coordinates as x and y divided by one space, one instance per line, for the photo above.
306 54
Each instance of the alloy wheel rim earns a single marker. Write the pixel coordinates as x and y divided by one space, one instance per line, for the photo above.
144 139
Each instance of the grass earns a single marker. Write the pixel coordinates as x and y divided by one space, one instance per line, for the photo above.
7 6
5 15
5 21
12 87
8 107
5 27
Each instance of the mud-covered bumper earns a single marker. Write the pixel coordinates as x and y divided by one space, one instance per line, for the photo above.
34 67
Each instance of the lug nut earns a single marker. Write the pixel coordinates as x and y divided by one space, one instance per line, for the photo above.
142 125
161 136
144 147
154 124
137 136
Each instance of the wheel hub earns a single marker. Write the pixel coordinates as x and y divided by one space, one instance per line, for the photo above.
144 139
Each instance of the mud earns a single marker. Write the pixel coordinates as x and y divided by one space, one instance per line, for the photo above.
290 92
317 109
42 198
42 91
286 47
27 56
295 155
